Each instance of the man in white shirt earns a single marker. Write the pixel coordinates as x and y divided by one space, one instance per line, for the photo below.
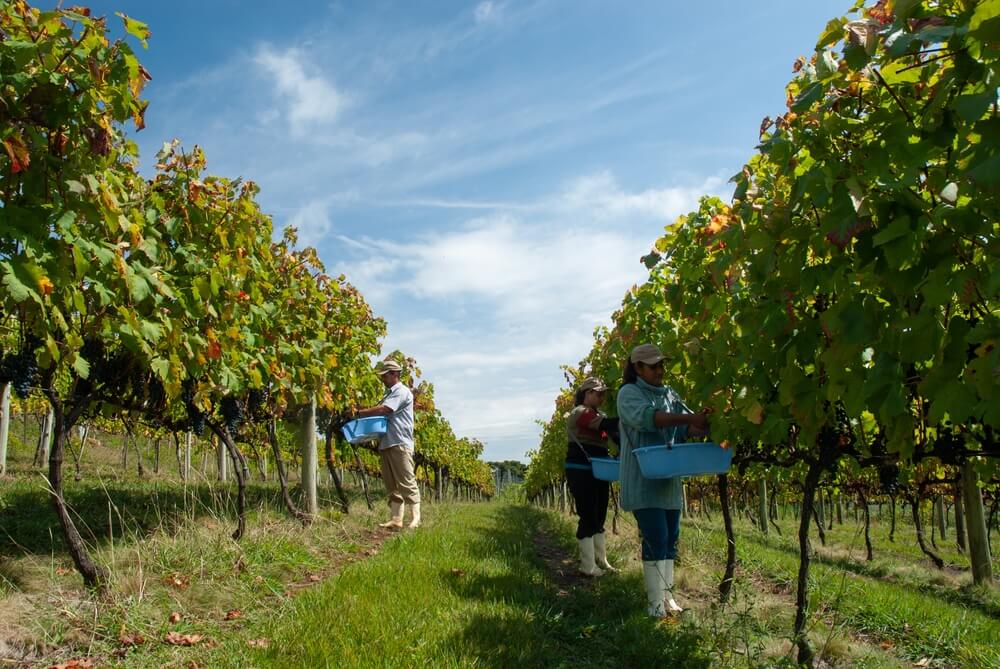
395 447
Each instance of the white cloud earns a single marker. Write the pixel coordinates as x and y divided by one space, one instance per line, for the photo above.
310 98
603 196
312 220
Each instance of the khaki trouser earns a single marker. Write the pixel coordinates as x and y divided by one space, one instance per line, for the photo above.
397 473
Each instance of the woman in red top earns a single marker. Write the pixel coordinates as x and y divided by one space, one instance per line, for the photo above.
588 430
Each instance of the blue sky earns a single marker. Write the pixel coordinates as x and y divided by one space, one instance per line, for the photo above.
488 173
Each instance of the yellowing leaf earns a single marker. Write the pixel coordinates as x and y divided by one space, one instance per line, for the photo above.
754 413
45 285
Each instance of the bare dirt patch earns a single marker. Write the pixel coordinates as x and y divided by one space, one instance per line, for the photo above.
559 564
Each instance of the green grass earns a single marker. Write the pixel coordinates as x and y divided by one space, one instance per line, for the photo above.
467 591
889 600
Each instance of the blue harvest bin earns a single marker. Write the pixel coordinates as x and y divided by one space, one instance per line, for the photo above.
365 429
695 459
605 469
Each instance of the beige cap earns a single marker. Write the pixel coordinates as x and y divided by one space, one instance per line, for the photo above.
593 383
387 366
646 353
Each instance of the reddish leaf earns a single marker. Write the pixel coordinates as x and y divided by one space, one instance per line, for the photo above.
174 618
139 115
100 140
73 664
233 614
178 581
18 153
132 639
57 143
178 639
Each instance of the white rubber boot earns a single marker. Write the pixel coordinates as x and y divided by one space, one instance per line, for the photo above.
395 515
653 574
415 521
668 579
601 552
587 565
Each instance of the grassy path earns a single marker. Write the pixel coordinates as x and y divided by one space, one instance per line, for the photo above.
863 614
468 590
922 620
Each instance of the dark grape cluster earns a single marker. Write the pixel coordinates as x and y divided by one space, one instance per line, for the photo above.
257 400
888 478
821 303
232 413
20 369
841 432
843 428
156 394
187 391
196 419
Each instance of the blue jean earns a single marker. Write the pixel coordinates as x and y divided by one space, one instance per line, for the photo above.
660 528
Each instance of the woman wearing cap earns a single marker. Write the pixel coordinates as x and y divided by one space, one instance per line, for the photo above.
588 430
653 414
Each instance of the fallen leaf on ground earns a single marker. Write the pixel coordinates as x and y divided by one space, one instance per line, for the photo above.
133 639
458 572
73 664
178 581
174 618
315 578
258 643
62 571
887 645
178 639
233 614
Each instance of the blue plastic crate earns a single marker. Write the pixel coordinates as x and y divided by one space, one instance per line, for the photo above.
365 429
606 469
695 459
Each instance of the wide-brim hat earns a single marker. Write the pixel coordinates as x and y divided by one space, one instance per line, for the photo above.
593 383
647 354
387 366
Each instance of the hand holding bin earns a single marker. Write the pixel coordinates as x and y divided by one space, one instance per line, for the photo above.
694 459
364 429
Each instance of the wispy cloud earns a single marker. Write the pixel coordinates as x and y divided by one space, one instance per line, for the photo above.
312 220
487 11
309 98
